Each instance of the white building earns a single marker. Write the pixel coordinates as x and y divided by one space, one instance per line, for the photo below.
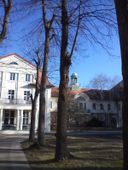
85 104
16 75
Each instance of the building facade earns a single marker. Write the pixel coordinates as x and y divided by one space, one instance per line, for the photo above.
16 77
86 104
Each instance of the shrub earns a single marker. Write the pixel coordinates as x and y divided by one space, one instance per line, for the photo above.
94 122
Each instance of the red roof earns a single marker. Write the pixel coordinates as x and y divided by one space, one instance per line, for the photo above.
55 91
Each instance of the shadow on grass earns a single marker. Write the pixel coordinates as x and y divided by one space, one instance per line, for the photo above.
39 165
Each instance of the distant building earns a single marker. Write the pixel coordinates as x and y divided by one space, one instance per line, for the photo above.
105 105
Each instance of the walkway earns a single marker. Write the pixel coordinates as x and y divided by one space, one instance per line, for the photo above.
11 155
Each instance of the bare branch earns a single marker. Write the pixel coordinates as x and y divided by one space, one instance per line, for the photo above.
76 34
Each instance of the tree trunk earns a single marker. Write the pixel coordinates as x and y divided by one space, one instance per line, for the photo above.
122 17
48 28
41 124
6 8
33 115
61 137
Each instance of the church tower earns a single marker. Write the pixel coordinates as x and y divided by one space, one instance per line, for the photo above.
74 82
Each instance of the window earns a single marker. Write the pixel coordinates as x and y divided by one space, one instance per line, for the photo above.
101 107
27 78
12 76
84 106
94 106
11 94
9 117
27 95
81 106
109 107
25 117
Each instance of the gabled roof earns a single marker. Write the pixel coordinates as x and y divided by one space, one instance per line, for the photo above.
18 56
21 58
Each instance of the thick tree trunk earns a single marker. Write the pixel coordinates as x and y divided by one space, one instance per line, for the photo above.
61 138
41 124
122 17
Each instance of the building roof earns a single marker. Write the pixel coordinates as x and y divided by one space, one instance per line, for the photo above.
95 94
18 57
55 91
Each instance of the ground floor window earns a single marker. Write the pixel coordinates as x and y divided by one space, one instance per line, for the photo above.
25 117
9 116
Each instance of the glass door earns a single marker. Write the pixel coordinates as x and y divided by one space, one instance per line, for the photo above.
9 117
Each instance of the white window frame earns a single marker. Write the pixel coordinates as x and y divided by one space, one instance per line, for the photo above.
27 95
28 77
12 76
11 94
25 118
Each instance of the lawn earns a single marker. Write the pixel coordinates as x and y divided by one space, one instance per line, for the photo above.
89 154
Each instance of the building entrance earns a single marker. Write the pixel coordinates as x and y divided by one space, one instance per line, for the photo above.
9 118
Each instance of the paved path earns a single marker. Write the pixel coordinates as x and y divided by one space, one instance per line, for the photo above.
11 155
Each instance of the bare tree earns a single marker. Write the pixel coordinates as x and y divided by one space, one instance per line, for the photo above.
103 82
122 18
48 37
77 18
65 62
6 6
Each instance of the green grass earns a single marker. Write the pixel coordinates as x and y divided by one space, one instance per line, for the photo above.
89 154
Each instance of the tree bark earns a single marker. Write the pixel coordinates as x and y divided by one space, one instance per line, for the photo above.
41 125
34 99
47 28
6 8
33 116
122 18
65 62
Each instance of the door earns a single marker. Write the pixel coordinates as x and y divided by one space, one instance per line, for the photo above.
9 118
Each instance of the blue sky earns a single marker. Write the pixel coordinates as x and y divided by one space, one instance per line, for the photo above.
89 60
96 60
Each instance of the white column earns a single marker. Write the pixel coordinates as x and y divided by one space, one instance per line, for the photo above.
17 119
21 119
1 117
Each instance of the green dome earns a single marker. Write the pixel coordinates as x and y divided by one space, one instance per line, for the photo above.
74 75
